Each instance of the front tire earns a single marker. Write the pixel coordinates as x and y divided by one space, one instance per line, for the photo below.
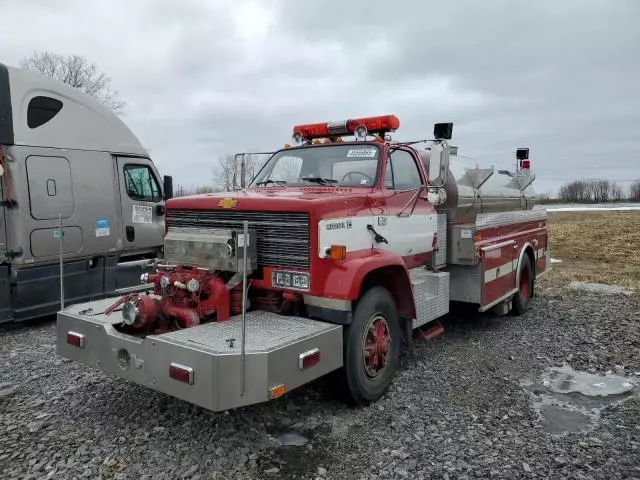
523 296
371 347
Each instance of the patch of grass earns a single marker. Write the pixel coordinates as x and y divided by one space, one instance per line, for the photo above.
601 247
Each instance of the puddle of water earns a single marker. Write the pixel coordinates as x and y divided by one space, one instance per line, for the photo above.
292 439
296 453
556 419
570 401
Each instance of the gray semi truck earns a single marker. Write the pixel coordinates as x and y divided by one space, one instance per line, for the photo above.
65 160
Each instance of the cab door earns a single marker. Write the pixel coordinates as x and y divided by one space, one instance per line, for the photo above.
141 202
407 220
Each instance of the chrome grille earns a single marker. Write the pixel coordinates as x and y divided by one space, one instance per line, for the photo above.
283 237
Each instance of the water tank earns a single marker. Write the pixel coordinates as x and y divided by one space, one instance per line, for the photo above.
499 193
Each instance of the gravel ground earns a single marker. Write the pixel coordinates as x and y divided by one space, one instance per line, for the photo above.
456 410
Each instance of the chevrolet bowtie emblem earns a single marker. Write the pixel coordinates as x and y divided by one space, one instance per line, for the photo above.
227 203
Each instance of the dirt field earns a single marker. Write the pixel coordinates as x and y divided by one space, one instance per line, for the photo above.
600 247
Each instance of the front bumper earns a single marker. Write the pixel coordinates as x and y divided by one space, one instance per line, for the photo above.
274 344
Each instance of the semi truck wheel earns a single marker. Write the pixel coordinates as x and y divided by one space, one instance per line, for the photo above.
371 347
525 288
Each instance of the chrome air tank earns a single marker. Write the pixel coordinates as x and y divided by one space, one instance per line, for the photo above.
499 193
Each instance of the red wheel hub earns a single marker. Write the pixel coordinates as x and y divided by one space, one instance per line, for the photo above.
376 346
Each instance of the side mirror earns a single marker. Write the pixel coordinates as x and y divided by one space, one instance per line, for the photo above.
167 186
438 164
240 159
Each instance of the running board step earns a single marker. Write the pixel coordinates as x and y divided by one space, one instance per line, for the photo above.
430 332
431 295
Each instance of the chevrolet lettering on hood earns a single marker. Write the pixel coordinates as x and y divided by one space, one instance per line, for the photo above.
227 203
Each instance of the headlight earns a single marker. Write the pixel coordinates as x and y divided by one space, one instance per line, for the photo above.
164 282
193 285
130 312
144 278
292 280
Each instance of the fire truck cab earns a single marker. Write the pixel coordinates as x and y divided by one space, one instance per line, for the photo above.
342 245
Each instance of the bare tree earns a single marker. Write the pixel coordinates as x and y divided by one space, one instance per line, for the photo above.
79 73
617 194
227 172
592 191
634 191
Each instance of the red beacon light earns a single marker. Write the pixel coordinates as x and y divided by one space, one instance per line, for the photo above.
360 127
522 154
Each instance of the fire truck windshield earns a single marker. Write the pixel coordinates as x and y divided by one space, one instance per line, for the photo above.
350 165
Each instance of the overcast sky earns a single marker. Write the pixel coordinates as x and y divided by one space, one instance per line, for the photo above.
203 78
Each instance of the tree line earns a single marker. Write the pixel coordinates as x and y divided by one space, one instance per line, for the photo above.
598 191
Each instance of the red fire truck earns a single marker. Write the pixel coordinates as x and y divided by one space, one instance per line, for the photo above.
344 246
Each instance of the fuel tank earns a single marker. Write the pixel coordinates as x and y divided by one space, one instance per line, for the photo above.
500 192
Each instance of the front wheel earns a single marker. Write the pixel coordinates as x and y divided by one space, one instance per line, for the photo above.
525 288
371 347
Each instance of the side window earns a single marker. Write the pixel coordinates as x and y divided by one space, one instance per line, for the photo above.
141 184
402 172
42 109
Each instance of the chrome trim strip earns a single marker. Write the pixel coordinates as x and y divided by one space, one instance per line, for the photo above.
330 303
488 248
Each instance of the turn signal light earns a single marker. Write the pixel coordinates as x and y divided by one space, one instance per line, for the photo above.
277 391
76 339
338 252
181 373
309 359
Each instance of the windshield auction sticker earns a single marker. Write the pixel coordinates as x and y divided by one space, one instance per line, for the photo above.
362 153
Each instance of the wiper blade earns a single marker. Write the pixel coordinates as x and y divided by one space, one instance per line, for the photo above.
275 182
320 180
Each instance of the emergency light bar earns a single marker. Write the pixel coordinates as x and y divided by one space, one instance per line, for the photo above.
359 127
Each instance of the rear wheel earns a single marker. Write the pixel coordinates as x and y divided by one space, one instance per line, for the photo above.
525 287
371 347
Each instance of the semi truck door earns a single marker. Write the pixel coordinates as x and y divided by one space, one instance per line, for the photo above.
141 200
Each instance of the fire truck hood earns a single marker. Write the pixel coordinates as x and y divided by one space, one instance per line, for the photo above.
301 199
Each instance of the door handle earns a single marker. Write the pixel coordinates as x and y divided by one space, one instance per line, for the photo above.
131 233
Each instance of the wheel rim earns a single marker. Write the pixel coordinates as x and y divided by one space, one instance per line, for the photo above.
524 285
375 346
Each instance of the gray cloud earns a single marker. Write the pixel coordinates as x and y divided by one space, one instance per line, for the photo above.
205 78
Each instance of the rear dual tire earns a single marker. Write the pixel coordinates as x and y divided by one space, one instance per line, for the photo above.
522 298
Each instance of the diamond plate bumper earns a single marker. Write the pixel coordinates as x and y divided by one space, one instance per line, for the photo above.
274 344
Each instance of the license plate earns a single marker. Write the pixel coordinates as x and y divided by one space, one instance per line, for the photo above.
297 281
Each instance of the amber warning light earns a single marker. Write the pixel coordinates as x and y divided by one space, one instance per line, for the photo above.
359 127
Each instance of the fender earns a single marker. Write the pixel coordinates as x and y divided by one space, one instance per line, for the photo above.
344 280
523 252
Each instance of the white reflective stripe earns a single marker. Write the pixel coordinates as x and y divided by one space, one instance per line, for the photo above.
498 272
539 253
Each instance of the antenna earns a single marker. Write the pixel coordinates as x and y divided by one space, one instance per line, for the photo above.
60 235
